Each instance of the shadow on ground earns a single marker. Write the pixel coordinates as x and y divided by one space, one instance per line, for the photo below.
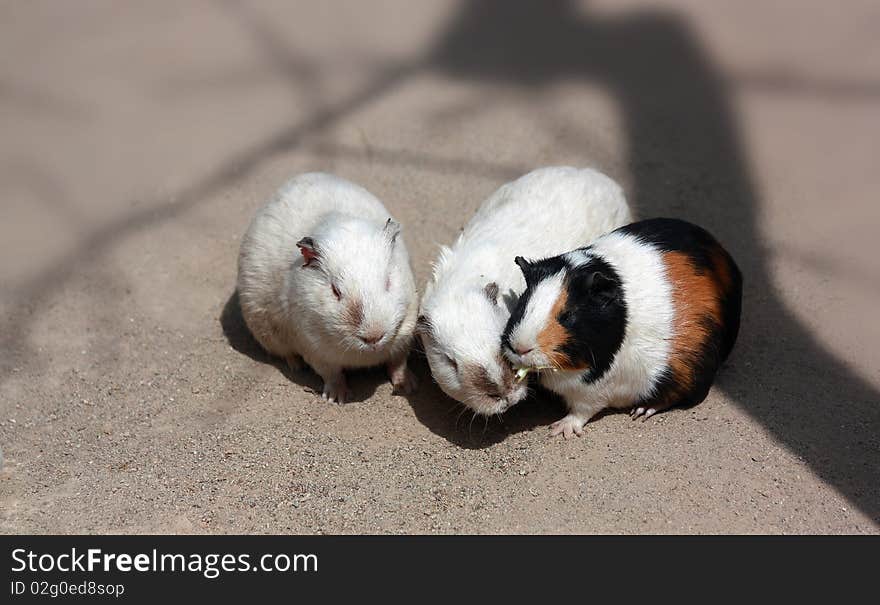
362 383
686 160
457 424
432 407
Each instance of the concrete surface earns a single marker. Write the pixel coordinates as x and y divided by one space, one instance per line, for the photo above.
139 137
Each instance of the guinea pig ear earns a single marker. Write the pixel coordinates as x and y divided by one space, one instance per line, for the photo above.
602 286
309 253
491 292
526 268
391 230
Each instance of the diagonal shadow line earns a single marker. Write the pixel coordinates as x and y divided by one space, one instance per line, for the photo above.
819 263
44 187
40 287
300 74
420 160
786 83
40 103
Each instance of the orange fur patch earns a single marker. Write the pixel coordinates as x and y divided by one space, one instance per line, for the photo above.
553 337
722 269
696 298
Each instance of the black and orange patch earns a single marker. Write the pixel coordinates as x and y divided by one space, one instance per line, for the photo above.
554 338
587 323
706 298
696 297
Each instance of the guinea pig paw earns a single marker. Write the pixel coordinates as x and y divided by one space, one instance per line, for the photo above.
404 382
644 412
568 427
335 391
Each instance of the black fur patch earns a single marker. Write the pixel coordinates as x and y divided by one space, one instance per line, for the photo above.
674 235
536 271
595 317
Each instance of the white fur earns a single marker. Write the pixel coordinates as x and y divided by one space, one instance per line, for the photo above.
644 353
543 213
291 309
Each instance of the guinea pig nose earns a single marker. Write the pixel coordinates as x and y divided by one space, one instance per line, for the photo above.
521 350
372 337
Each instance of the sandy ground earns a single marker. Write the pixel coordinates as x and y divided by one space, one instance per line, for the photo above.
138 139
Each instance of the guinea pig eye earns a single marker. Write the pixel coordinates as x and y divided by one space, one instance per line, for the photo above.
335 291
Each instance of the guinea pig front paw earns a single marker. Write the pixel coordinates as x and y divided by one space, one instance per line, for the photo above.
647 411
403 381
569 426
335 389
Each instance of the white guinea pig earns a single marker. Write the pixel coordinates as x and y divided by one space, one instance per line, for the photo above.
324 277
475 283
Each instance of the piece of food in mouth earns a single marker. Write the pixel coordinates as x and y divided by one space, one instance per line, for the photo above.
522 372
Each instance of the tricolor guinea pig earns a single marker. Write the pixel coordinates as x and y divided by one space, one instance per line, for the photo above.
324 277
642 318
474 286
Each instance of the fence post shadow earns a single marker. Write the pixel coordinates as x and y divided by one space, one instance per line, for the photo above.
686 160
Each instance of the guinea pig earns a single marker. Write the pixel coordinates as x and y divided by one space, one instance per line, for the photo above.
474 285
643 318
324 277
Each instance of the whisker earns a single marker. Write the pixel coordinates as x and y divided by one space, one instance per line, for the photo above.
593 355
471 425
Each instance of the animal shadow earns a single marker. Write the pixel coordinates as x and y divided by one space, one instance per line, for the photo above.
459 425
362 383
